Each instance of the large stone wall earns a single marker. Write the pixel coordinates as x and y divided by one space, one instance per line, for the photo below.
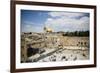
75 41
50 41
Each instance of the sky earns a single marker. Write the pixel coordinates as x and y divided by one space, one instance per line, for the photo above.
35 21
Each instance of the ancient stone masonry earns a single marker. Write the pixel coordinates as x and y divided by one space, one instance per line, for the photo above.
51 40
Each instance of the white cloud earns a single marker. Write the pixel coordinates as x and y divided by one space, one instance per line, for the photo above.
49 19
67 21
66 14
31 28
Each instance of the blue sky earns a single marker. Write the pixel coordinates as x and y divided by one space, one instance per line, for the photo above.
34 21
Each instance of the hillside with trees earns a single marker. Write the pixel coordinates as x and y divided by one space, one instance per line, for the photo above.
77 33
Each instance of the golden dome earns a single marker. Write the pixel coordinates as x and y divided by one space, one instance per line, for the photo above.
49 30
